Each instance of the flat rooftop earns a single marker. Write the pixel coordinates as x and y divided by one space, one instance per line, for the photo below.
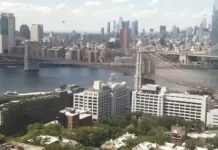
15 146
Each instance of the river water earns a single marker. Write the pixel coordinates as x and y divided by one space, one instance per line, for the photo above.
47 79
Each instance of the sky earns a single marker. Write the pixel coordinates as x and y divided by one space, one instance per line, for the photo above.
91 15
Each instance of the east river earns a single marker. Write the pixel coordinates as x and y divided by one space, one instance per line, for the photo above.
47 79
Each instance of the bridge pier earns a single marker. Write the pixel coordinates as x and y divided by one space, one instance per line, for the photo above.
32 51
30 65
144 66
184 59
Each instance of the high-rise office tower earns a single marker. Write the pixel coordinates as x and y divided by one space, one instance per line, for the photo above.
120 23
7 32
102 31
163 31
204 23
108 28
11 31
125 35
24 31
209 27
118 28
214 33
37 32
4 33
174 32
115 26
135 28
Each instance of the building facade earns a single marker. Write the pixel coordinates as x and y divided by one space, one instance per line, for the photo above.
71 118
36 32
214 33
7 32
96 100
212 118
149 99
155 100
25 31
104 100
11 31
108 28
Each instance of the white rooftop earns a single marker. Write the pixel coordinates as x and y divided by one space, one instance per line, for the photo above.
119 142
150 87
51 139
72 112
201 135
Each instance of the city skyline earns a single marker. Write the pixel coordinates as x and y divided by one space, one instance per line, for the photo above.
183 13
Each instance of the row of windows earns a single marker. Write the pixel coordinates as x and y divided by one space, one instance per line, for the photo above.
184 97
182 102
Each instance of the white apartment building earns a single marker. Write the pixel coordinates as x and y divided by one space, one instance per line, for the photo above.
96 100
149 99
36 33
155 100
120 98
189 107
212 118
104 99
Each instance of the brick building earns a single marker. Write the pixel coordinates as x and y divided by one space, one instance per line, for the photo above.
71 118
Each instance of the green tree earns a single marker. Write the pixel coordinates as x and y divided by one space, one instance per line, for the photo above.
190 144
131 129
63 87
143 127
2 139
215 142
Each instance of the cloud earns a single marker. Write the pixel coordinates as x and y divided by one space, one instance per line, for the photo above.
24 8
120 1
77 10
131 6
153 2
92 3
145 13
60 6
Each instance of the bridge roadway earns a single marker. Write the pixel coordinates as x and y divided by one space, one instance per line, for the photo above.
188 54
125 70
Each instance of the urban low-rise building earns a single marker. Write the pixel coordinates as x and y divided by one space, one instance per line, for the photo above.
71 118
117 143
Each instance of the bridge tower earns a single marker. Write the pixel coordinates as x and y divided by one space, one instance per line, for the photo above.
32 52
145 66
184 58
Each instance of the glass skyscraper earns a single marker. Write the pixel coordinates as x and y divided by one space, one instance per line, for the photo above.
4 25
214 33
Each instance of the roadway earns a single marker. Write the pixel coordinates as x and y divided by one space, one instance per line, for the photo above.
188 54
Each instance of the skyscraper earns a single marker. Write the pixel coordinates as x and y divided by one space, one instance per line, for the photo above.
7 32
108 28
24 31
214 33
115 26
125 35
163 31
4 33
11 31
204 23
135 28
37 32
102 31
120 24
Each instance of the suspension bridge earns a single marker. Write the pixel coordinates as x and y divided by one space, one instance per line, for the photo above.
144 71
